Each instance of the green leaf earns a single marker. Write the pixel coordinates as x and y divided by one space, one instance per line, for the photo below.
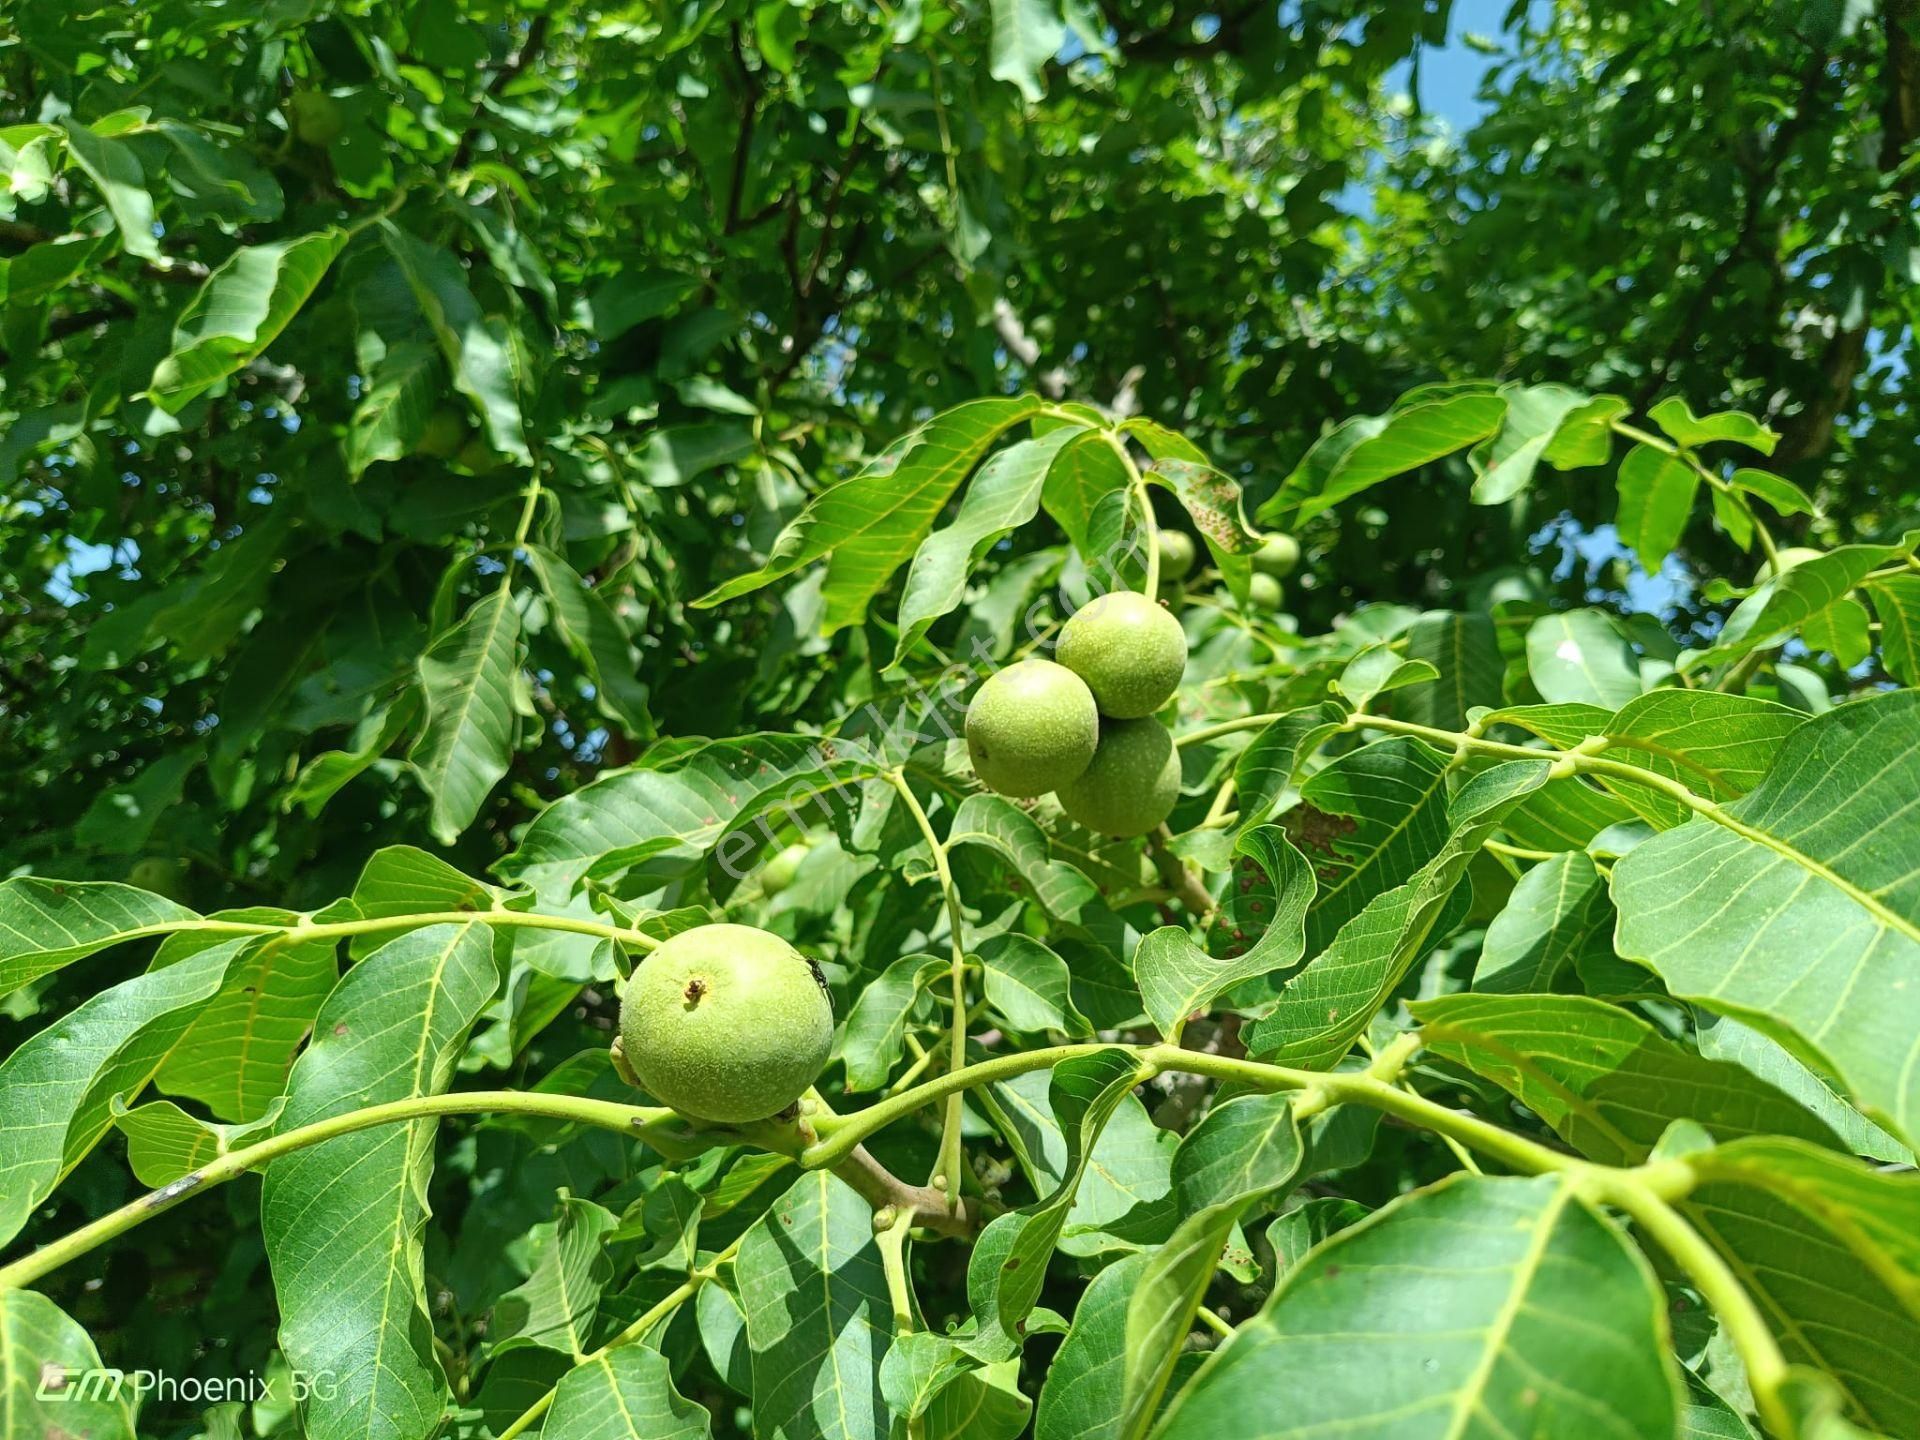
238 313
877 1026
1412 436
1367 821
235 1056
327 773
1126 1186
1783 495
1779 608
392 414
1177 977
1558 915
632 297
1002 497
61 1082
1580 656
625 1394
1585 434
1683 427
45 924
682 453
1830 1250
1843 630
400 880
1896 601
1245 1146
683 799
1798 911
112 164
1212 499
1715 744
866 527
46 1361
818 1315
479 348
468 676
555 1305
1656 499
1084 1389
1008 1267
1264 772
1464 650
999 825
1503 464
1326 1005
1477 1307
1225 1183
1030 987
1377 671
1722 1038
1605 1080
1295 1233
1083 474
355 1306
1027 34
597 639
164 1142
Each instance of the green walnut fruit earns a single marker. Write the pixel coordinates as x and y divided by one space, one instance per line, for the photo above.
159 875
779 871
1791 556
443 434
1130 651
1278 556
726 1023
1264 592
1133 782
1176 554
1031 728
317 117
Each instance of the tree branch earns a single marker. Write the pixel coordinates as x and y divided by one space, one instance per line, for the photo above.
959 1219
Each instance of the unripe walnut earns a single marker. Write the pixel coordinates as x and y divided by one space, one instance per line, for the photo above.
1130 651
1133 782
726 1023
1031 728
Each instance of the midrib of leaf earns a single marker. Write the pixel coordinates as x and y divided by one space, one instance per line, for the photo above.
1684 761
1472 1393
415 1130
1572 1099
469 691
826 1273
613 1384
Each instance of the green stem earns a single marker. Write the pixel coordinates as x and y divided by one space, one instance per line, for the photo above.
1149 526
1711 1275
639 1121
304 929
1687 457
890 1238
952 1160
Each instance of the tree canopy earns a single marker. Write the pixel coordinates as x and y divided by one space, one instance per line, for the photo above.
444 440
